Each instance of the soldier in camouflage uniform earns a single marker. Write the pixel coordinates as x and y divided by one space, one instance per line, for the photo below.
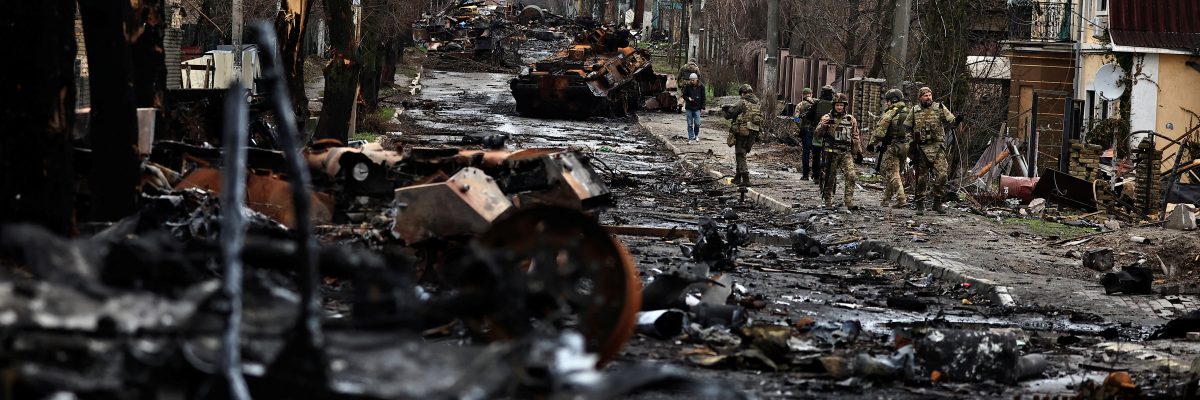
839 131
928 122
891 134
746 122
687 70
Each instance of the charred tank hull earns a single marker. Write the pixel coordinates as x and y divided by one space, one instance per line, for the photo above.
579 83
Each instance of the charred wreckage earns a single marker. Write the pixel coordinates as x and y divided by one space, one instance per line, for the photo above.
491 31
599 75
484 276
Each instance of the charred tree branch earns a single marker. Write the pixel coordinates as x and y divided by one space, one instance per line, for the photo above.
233 235
306 347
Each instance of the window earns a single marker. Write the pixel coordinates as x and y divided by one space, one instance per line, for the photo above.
1101 7
1090 106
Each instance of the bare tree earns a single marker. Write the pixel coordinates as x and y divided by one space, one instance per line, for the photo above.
372 52
846 32
341 73
290 26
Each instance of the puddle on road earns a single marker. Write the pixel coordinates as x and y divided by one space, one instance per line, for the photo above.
468 103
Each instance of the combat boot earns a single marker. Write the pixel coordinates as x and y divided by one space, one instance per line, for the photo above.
921 207
746 178
939 207
900 204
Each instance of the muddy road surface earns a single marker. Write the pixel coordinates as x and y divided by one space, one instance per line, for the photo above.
847 314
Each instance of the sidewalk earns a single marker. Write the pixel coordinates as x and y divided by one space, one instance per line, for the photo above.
1016 266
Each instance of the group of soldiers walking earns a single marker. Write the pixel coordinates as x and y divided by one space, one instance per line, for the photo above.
832 142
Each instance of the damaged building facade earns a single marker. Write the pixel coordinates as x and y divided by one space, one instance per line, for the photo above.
1058 54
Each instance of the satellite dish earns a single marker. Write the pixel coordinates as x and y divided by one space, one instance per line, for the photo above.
1108 82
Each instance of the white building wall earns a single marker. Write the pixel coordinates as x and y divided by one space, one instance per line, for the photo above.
1144 99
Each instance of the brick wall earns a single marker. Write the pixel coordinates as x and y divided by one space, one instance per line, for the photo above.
867 100
1084 163
1148 198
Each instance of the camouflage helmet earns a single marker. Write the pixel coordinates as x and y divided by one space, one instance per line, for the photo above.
827 88
841 98
893 95
745 88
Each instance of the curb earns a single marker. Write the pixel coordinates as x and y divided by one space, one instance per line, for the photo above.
941 267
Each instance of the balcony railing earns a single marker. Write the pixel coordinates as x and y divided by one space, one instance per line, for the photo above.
1040 21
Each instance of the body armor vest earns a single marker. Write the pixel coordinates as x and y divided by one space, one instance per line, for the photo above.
928 124
841 134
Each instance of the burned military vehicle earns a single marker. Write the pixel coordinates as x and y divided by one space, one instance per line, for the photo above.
598 76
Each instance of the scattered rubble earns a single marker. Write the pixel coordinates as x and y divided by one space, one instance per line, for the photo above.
145 298
1129 280
1100 259
264 263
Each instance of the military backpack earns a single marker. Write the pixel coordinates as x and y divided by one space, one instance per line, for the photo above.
750 120
896 129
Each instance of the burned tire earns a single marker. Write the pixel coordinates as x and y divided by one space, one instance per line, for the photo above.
572 260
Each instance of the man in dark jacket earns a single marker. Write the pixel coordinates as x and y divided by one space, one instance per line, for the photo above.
693 104
807 159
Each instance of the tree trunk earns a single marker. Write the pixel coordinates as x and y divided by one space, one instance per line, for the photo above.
37 113
372 52
394 52
289 27
341 74
113 134
883 19
850 46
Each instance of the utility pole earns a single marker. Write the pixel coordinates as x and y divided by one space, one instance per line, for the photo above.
236 32
639 10
771 62
901 16
685 31
693 30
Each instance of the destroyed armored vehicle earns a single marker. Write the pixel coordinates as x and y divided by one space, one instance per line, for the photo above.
598 76
468 29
